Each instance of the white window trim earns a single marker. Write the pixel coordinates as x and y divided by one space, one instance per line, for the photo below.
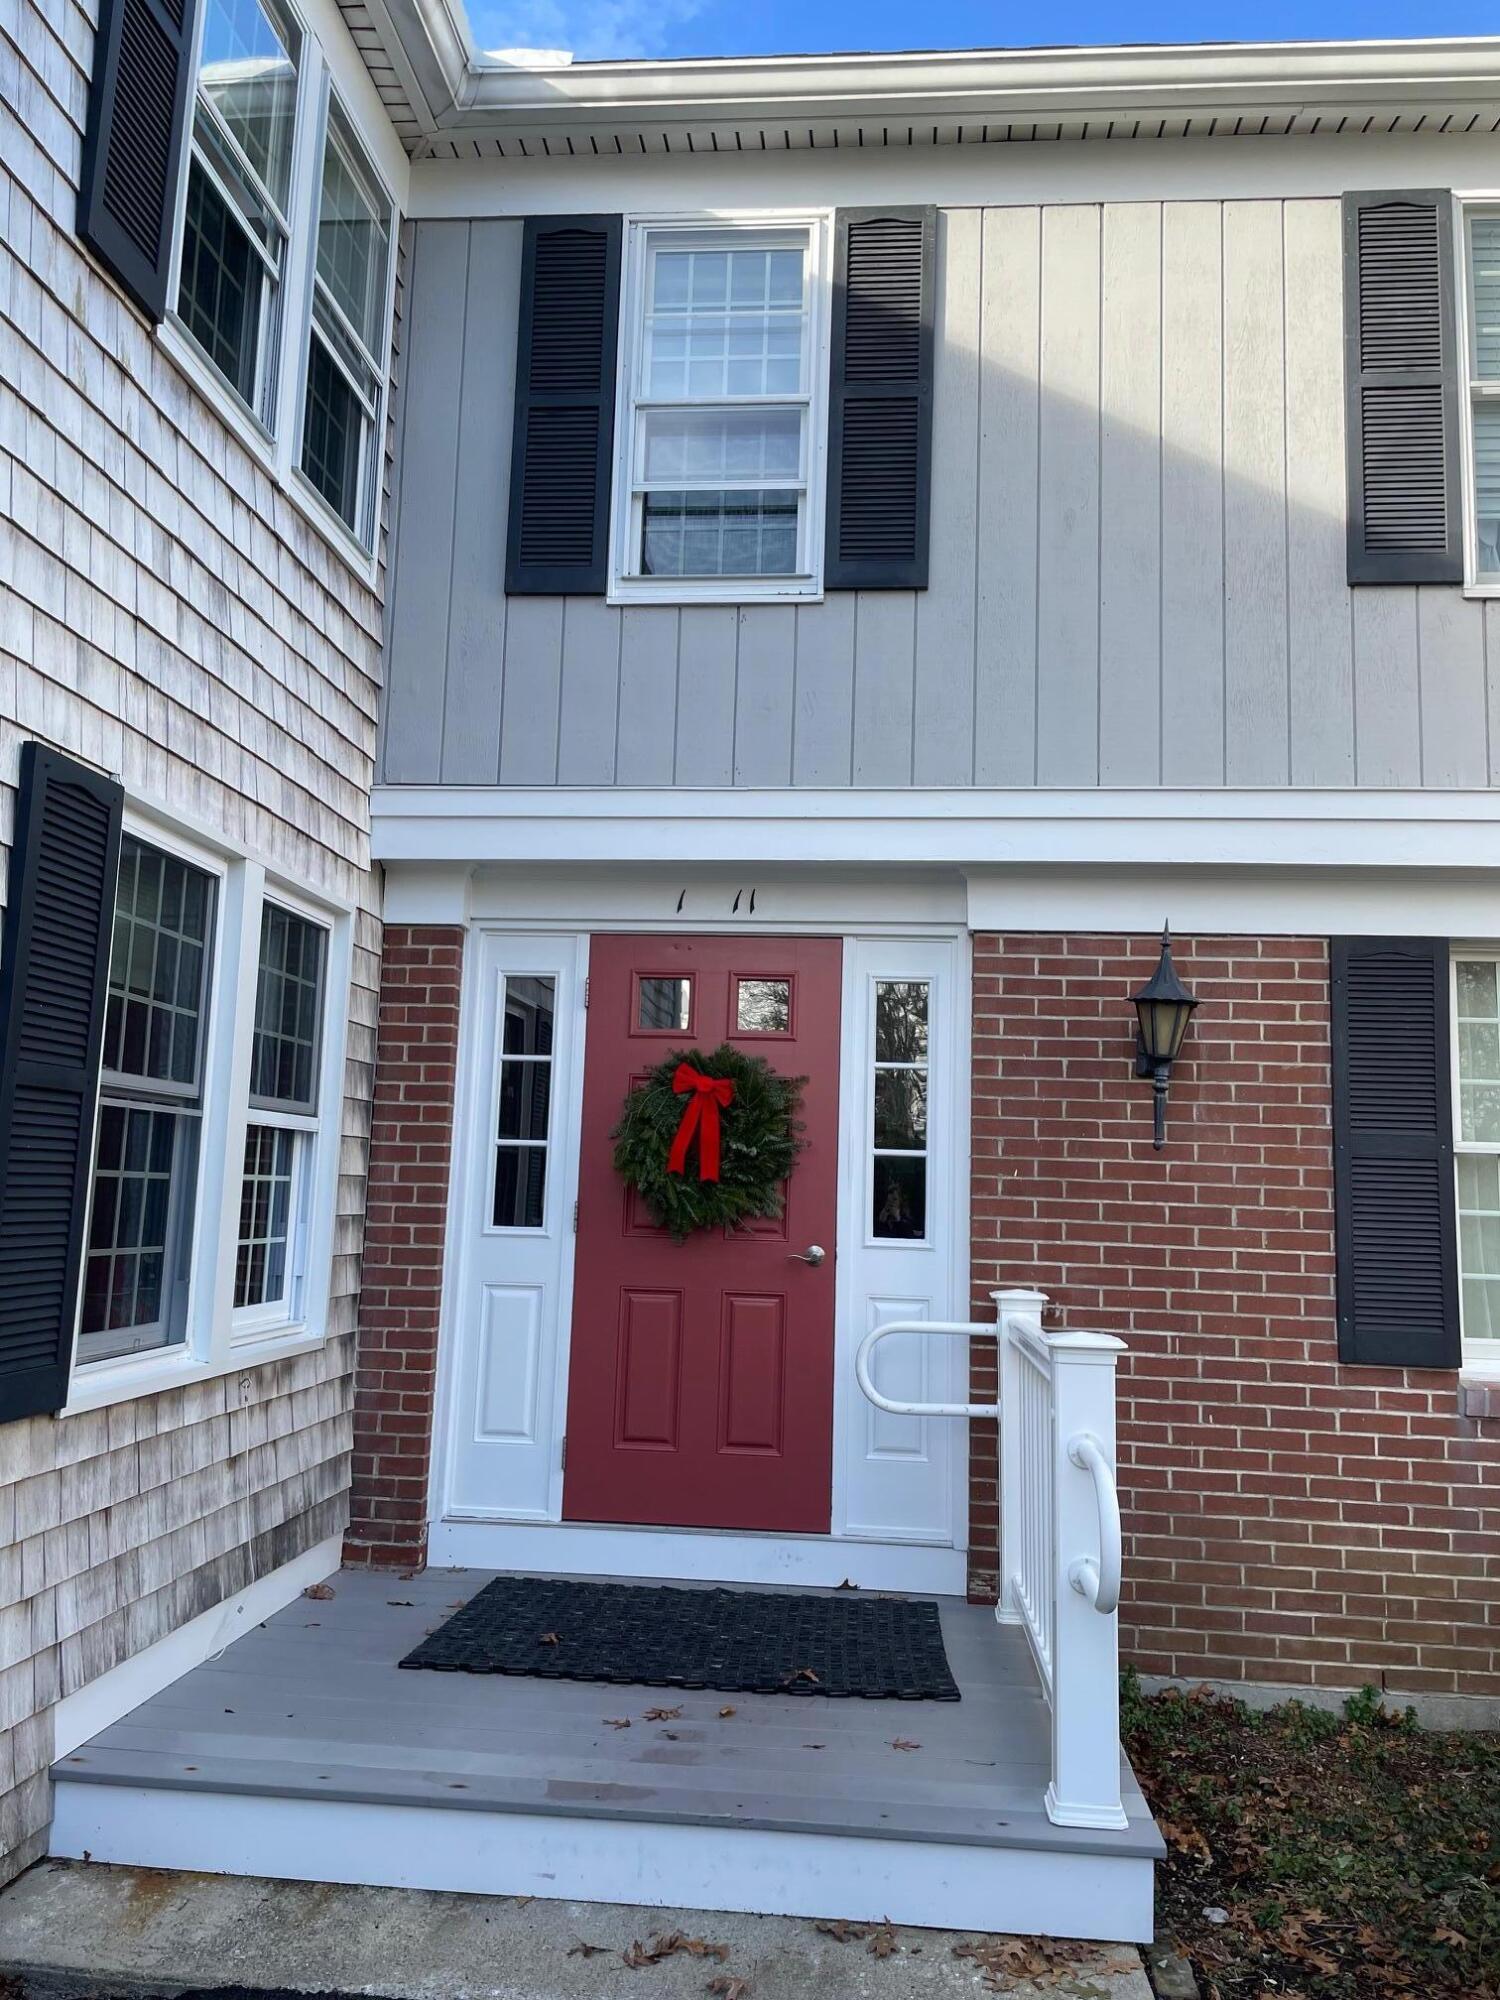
1479 1359
1464 204
219 1340
802 589
324 71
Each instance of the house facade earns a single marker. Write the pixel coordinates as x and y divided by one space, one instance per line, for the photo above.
820 557
189 670
948 530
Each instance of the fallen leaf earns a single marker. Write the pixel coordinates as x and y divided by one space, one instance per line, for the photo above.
667 1944
841 1930
617 1721
882 1942
549 1639
661 1715
847 1585
725 1713
904 1743
728 1985
320 1591
802 1674
1445 1935
583 1949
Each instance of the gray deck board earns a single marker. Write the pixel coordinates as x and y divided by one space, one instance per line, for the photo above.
312 1705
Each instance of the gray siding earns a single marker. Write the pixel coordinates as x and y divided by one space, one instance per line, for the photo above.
167 614
1137 549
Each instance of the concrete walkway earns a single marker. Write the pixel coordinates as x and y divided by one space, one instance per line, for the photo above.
81 1930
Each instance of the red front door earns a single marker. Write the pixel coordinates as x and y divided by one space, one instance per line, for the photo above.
700 1385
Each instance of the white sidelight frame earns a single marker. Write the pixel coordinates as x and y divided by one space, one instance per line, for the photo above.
900 1490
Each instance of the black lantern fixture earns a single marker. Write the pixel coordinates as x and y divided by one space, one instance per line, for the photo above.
1163 1008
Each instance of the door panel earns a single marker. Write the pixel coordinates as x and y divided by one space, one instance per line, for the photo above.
701 1373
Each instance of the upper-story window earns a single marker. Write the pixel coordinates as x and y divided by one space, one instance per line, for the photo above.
284 272
721 425
1482 227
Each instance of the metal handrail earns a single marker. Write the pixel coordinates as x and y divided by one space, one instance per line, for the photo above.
962 1329
1099 1582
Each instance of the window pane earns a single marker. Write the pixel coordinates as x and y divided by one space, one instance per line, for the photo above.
249 75
1479 1244
333 430
529 1007
130 1215
525 1096
1476 989
900 1197
665 1003
1478 1051
1484 283
1487 485
716 445
725 322
763 1006
687 533
219 297
154 1016
901 1020
262 1263
520 1186
353 234
901 1108
288 1009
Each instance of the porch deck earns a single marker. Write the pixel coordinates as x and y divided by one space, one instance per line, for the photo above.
302 1751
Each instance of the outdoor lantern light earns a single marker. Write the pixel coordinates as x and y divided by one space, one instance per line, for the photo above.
1163 1008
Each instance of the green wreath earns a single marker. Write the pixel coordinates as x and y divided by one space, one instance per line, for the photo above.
759 1140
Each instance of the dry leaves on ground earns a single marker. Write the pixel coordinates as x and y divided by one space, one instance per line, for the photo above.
320 1592
583 1949
661 1715
841 1930
904 1743
668 1944
724 1713
549 1639
1044 1961
802 1674
617 1721
728 1986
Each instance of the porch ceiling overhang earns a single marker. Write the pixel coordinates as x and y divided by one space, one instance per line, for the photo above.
450 100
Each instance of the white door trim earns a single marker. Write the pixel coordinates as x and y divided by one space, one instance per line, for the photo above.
498 1538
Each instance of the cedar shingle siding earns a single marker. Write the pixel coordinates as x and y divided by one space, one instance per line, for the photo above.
170 617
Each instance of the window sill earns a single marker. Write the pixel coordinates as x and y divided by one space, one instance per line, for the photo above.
208 384
98 1385
668 591
1479 1388
1482 589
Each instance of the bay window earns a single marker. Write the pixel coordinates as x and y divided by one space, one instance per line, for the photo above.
235 228
346 333
719 490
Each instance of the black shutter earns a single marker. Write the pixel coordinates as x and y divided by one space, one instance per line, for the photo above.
880 405
1395 1204
139 105
562 450
1401 389
54 972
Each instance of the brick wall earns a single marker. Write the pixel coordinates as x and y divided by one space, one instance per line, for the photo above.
1288 1518
411 1145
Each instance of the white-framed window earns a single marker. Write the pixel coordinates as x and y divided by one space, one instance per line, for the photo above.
1476 1147
718 492
344 371
898 1153
284 277
1481 347
216 1143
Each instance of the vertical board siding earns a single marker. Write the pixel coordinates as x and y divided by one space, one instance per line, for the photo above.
1137 571
168 615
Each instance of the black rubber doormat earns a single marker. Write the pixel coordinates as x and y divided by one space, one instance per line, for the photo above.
736 1641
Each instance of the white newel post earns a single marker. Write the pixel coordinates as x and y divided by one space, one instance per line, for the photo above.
1075 1528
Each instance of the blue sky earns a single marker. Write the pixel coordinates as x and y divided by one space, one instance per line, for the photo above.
600 28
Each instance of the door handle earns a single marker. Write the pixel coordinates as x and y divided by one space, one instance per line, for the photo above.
814 1254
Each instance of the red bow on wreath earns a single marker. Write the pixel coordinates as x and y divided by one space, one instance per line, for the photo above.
706 1097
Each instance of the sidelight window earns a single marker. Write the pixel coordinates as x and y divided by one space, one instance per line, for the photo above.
1476 1136
899 1134
524 1114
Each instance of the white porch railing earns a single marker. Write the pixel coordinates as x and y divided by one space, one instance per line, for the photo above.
1060 1543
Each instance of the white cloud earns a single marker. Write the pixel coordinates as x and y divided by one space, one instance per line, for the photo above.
595 30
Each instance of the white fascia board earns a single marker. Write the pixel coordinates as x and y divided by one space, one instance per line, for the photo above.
924 828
